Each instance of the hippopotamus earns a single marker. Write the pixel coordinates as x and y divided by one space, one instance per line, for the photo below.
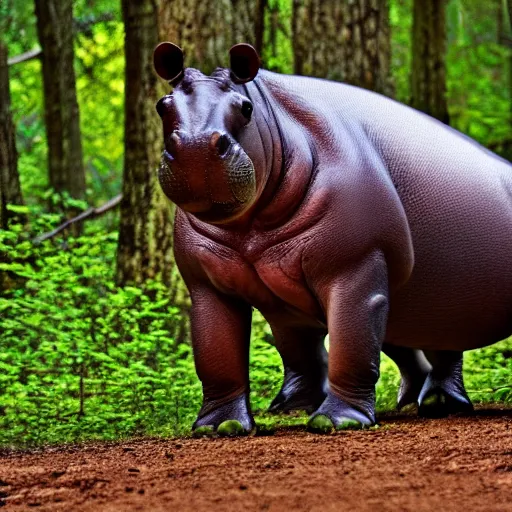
332 210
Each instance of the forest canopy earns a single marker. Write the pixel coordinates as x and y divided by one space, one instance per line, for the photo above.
94 339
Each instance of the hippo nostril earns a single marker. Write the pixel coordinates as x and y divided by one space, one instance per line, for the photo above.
222 144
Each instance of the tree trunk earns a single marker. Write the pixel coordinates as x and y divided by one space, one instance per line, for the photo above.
259 25
145 233
347 41
428 77
206 30
55 32
10 191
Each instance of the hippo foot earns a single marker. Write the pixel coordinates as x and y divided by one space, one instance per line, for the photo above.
409 391
227 419
299 393
441 397
335 414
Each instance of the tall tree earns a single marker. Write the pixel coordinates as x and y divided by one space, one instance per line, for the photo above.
346 41
55 33
145 234
428 76
10 191
206 30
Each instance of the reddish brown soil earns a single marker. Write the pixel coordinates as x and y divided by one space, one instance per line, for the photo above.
408 464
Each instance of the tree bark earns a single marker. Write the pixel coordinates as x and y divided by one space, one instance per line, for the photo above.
55 33
146 225
145 234
428 77
259 25
346 41
206 30
10 190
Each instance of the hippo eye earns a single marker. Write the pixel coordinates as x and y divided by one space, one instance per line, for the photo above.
247 110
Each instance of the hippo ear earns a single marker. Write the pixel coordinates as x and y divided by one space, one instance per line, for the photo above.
168 61
245 63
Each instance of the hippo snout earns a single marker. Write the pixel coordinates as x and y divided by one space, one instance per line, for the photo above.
207 173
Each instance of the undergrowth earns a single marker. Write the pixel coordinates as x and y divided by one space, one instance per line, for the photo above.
82 359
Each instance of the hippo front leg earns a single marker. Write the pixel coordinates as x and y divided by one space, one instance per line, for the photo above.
221 328
356 303
305 368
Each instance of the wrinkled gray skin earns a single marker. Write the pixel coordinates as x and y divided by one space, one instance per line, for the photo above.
361 218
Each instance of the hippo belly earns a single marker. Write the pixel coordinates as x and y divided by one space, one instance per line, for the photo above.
459 296
273 283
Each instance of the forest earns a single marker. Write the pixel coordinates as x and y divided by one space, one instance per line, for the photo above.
94 332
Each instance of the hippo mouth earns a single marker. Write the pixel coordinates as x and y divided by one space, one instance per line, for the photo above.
212 189
240 174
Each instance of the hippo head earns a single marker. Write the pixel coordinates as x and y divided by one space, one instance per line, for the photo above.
206 165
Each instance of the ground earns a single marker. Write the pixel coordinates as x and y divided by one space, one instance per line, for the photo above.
459 463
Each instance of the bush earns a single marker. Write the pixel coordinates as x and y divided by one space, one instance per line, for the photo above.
82 358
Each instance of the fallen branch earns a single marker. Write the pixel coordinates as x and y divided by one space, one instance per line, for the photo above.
24 57
90 213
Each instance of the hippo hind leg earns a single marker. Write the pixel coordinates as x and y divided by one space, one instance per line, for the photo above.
414 369
431 379
305 369
443 392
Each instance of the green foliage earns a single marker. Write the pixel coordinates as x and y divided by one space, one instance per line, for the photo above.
478 74
479 87
100 90
488 373
83 359
277 49
99 68
400 17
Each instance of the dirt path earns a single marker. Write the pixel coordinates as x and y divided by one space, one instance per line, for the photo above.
408 464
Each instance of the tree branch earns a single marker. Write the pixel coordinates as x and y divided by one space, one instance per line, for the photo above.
24 57
79 26
90 213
